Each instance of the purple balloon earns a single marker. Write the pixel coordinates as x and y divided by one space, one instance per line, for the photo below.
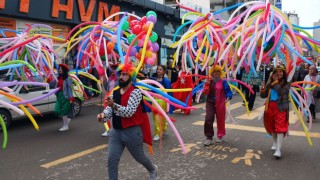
133 51
152 18
155 47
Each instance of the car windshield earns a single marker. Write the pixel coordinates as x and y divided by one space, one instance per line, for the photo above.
5 78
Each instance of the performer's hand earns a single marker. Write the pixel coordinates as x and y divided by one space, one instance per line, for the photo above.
109 101
274 77
101 117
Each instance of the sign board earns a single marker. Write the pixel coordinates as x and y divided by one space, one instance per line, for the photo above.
10 24
252 80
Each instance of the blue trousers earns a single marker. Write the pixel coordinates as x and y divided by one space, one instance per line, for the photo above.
132 139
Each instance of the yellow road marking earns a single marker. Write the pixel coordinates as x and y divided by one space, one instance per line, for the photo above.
260 129
73 156
236 105
293 118
253 114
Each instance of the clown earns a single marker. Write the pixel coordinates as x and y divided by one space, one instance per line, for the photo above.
130 123
217 91
276 114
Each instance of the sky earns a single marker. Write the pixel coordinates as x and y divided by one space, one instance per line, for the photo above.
307 10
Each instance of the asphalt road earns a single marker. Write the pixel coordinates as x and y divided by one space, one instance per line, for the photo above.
81 153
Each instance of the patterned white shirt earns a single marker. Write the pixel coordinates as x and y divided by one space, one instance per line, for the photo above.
125 111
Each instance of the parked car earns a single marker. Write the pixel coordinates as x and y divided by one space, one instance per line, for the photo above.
45 105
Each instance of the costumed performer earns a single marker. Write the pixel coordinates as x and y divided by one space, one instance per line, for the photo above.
276 114
217 91
130 124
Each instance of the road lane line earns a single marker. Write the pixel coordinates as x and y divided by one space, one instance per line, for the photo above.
260 129
73 156
255 113
293 118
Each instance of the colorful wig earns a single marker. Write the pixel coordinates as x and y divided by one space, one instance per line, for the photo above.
217 68
129 69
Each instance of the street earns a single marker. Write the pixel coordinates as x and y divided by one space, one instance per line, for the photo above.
81 153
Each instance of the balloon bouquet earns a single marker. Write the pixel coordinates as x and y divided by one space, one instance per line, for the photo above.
28 59
255 33
131 40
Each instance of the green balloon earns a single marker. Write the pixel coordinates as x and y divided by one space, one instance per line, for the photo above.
151 13
131 38
154 37
125 26
103 58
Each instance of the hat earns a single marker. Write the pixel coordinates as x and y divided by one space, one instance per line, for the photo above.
129 69
279 67
64 66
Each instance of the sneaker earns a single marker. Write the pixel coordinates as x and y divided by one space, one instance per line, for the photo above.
64 128
68 121
154 175
105 134
277 154
156 137
219 140
208 142
274 147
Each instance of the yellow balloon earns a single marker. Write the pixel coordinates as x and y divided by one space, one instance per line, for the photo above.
301 120
242 96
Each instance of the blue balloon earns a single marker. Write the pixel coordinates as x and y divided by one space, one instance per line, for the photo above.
161 93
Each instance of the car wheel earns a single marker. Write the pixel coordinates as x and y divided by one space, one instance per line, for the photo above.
77 107
6 116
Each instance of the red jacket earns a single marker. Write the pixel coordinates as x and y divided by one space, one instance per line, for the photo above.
139 118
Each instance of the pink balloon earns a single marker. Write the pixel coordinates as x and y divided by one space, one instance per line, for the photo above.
140 43
164 114
154 56
100 70
150 61
114 38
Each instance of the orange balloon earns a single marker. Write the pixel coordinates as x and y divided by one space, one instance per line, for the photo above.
148 54
145 27
110 46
